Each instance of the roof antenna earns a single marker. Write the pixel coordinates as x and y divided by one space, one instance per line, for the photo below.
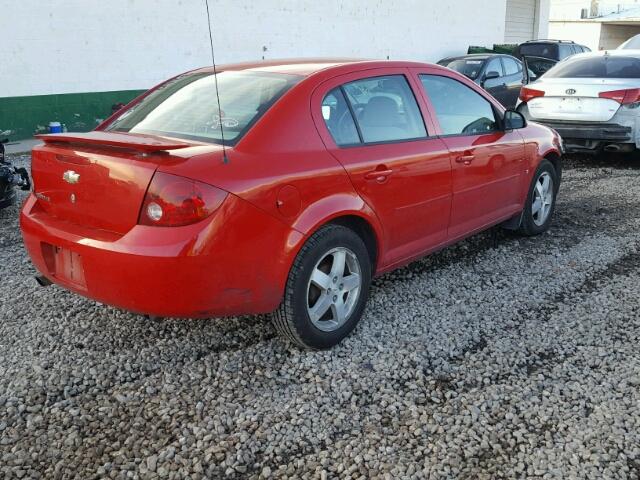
225 159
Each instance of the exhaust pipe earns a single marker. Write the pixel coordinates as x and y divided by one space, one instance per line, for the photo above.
42 280
612 148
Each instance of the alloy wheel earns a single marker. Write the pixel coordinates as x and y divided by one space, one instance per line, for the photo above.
333 289
542 199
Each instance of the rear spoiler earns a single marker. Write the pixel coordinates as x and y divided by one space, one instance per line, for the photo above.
133 141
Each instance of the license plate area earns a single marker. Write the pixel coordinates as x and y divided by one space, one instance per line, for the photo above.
65 265
571 105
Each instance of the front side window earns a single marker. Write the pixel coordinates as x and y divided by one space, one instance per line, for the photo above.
494 66
385 109
511 67
459 109
338 118
187 107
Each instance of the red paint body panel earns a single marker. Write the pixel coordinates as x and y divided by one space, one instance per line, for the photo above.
285 179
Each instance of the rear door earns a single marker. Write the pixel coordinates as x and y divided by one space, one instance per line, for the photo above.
488 163
371 122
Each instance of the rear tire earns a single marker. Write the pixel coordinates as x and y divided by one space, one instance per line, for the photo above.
327 289
541 200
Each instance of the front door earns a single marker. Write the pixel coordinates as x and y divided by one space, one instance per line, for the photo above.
373 125
488 162
495 86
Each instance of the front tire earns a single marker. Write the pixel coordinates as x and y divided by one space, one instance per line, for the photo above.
327 289
541 200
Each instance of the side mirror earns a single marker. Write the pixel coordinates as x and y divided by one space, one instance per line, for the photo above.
490 76
514 120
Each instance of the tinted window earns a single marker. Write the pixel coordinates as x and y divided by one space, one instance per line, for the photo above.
470 68
597 67
186 107
385 109
566 51
511 66
539 50
459 109
338 118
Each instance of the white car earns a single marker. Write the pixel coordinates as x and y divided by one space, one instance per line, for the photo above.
591 99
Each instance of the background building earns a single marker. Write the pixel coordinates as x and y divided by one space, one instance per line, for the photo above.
577 9
70 60
598 24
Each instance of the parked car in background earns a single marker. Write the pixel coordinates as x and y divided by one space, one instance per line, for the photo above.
541 55
591 99
311 178
500 75
632 44
551 49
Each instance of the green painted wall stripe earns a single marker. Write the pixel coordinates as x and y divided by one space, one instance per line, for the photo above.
80 112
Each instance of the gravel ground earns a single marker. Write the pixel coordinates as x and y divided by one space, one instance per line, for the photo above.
515 359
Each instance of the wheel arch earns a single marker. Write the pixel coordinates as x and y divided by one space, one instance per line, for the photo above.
349 211
556 160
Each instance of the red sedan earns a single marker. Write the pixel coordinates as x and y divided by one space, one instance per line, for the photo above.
311 178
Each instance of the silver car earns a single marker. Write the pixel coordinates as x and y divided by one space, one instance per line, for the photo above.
591 99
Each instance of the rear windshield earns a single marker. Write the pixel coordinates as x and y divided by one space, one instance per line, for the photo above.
546 50
470 68
597 67
186 107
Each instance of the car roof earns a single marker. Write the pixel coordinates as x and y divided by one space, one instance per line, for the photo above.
309 66
548 40
609 53
478 56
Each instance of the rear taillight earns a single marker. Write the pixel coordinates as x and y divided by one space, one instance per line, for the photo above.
624 97
172 201
527 94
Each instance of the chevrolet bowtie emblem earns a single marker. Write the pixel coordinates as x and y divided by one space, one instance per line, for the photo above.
71 177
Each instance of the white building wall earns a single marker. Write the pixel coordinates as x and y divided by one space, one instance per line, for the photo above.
584 33
69 46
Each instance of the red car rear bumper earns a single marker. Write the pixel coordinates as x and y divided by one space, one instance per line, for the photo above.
211 268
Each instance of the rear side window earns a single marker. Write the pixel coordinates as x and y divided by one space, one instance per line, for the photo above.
337 116
459 109
385 109
597 67
566 51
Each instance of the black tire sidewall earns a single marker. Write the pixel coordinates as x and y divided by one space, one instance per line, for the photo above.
306 330
528 224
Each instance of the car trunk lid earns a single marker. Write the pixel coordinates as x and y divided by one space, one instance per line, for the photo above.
97 179
575 99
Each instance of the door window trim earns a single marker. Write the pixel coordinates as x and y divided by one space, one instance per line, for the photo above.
362 143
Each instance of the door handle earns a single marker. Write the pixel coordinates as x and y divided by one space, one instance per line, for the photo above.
466 159
379 175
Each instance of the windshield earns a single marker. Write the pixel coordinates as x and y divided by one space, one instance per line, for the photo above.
186 107
469 68
597 67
